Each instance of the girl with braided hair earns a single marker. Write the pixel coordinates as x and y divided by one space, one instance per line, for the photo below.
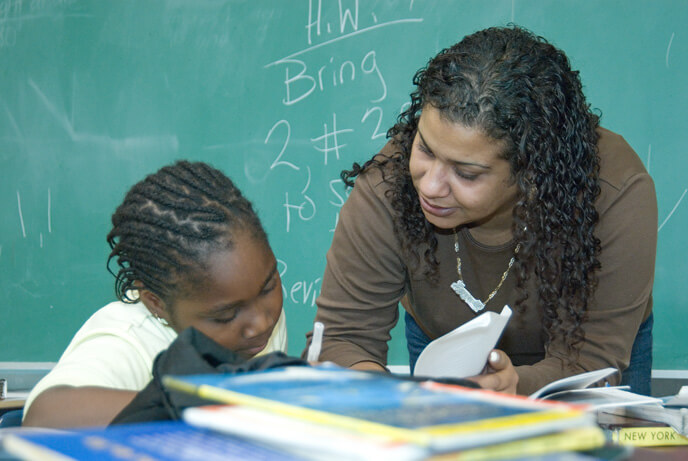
498 187
188 250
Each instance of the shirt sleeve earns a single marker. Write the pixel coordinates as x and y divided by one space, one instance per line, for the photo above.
627 230
364 279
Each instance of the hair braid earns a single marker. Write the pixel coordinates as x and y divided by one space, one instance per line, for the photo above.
169 223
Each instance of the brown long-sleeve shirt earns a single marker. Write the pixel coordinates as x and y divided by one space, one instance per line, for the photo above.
367 275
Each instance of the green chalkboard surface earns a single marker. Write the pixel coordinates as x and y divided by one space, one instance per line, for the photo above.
281 95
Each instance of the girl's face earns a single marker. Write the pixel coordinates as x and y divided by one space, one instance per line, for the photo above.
461 177
240 302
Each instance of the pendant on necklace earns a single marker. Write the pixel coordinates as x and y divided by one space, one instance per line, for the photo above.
460 288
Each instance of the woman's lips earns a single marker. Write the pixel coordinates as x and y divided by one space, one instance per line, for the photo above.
440 212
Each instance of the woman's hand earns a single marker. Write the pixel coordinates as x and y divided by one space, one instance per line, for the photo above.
499 374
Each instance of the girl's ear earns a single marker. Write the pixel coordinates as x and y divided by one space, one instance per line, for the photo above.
154 304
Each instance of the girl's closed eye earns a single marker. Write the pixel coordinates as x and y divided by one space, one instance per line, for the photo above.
271 285
224 317
268 289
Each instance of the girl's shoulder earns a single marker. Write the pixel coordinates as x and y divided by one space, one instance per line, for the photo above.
118 314
131 322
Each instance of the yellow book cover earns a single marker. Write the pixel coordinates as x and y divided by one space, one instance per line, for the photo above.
580 439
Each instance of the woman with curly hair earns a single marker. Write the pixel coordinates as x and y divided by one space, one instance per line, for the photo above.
498 186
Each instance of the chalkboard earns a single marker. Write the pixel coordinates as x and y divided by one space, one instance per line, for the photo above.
281 95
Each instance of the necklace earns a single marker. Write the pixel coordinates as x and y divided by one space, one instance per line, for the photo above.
460 287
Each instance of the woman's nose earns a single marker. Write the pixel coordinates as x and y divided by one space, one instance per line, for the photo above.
434 181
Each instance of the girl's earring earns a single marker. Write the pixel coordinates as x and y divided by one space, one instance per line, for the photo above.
162 321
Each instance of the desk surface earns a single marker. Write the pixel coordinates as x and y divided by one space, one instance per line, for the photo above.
13 400
12 404
659 454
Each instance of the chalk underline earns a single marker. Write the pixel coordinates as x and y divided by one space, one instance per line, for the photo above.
351 34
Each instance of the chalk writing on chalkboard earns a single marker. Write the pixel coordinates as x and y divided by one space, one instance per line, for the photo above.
300 81
301 292
666 60
673 209
302 77
282 96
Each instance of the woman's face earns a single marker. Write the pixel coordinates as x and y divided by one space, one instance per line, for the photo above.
461 177
240 302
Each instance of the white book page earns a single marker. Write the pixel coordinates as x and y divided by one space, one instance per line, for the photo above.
678 400
580 381
602 397
463 352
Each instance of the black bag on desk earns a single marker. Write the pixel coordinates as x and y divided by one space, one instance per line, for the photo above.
191 353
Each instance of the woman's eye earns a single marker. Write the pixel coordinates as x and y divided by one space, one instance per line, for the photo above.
425 150
466 176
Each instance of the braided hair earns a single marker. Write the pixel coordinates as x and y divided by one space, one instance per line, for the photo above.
517 88
168 225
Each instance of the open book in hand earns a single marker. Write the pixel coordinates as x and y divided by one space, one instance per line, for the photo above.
463 352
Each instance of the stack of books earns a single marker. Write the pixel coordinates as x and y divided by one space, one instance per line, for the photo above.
335 412
328 412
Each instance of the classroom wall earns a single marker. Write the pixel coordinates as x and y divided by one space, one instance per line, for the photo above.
281 95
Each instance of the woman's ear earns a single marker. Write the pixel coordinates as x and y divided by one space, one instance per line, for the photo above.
155 305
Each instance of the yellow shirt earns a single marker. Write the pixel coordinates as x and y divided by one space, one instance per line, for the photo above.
116 347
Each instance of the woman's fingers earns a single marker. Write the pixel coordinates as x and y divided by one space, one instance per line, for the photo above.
500 374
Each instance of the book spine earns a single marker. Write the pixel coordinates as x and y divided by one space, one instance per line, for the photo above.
648 436
570 418
178 385
586 438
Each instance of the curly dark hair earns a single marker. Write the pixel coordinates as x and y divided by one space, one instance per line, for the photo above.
517 88
168 225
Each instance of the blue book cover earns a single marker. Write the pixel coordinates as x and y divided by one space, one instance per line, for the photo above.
439 416
159 441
